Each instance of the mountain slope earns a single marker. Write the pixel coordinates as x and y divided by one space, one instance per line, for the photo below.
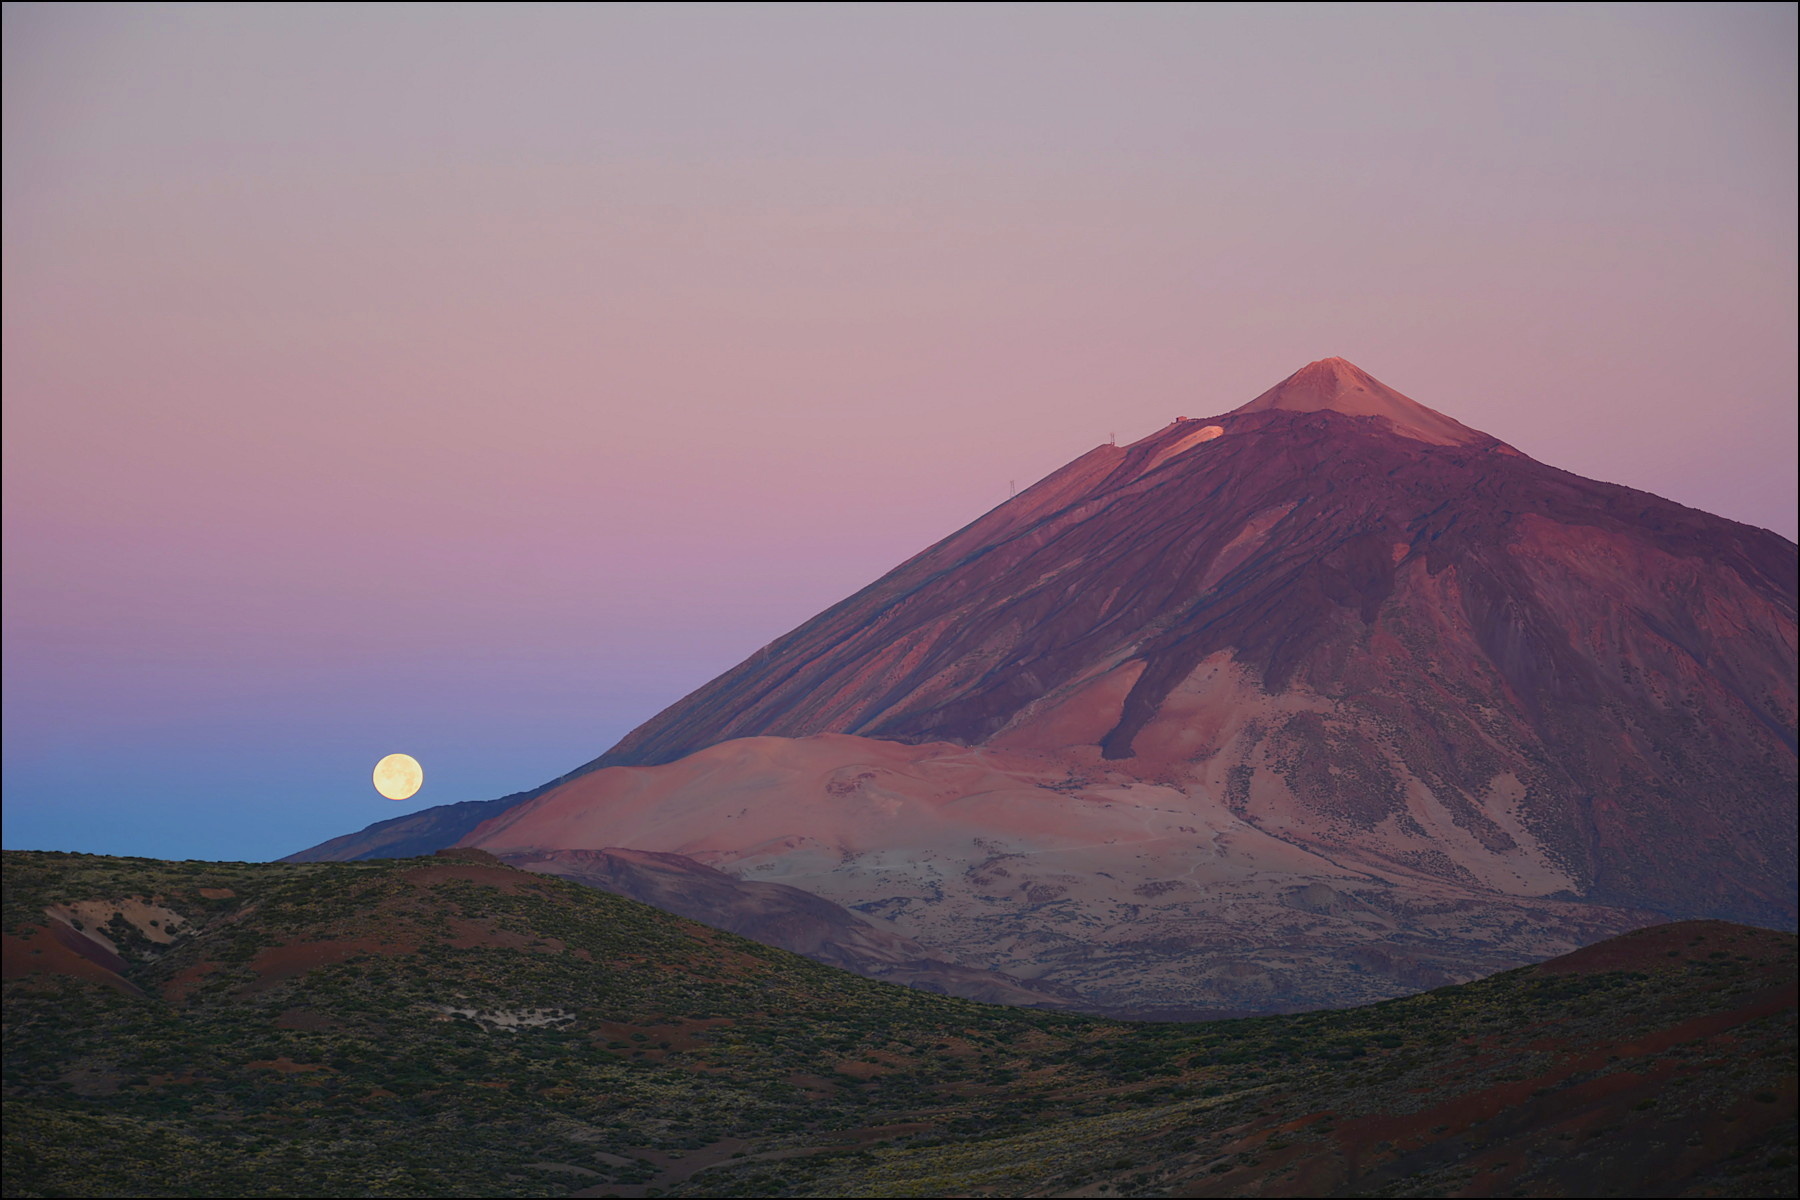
1139 897
780 916
449 1026
1279 541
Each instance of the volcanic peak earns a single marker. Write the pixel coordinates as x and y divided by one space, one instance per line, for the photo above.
1338 385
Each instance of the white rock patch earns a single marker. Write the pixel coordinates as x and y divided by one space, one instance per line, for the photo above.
510 1019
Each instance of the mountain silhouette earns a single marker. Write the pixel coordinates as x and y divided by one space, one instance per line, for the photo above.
1412 695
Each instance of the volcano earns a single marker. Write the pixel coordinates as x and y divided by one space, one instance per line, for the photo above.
1320 700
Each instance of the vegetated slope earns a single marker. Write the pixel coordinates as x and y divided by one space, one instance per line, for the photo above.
450 1026
784 917
774 914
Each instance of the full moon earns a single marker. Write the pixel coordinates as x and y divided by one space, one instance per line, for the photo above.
398 776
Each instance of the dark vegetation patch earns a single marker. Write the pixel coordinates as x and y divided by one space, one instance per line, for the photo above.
1336 770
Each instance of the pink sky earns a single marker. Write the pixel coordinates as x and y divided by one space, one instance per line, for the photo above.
474 381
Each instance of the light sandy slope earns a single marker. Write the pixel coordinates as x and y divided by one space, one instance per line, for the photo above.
1141 884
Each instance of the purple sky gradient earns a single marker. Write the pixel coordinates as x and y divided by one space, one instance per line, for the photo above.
472 382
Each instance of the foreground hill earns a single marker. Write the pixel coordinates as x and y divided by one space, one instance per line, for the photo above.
1320 700
454 1027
